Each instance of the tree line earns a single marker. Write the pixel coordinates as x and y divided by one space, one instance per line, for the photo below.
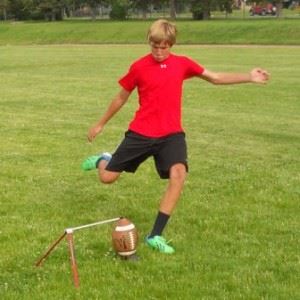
55 10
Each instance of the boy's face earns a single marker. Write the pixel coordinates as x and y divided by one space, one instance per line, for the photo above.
160 51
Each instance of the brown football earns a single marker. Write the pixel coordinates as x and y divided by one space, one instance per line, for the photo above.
125 237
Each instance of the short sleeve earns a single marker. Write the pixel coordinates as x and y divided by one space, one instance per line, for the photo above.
192 68
129 81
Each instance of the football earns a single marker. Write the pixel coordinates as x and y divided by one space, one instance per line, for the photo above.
124 238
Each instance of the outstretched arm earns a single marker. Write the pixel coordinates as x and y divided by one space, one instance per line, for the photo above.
256 75
116 104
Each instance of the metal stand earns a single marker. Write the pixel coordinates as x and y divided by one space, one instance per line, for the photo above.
68 233
72 257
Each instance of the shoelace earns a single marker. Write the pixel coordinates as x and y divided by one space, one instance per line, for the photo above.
164 241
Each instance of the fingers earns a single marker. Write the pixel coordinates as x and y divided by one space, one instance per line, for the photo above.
265 76
93 133
260 76
90 138
264 73
261 72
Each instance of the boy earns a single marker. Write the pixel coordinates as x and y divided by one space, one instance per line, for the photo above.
156 127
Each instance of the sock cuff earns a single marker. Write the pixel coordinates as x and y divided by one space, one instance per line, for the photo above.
163 214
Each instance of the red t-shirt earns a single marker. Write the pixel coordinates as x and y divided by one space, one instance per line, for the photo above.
159 86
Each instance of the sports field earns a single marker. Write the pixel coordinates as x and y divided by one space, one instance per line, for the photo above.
238 32
236 230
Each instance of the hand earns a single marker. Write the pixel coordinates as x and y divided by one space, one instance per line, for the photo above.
259 76
93 131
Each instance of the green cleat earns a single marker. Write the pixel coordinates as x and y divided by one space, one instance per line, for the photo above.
160 244
91 162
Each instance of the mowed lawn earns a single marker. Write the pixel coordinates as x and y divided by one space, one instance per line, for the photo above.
236 229
264 31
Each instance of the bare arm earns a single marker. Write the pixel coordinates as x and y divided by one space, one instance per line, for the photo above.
256 75
116 104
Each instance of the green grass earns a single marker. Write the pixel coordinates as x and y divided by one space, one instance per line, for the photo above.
258 31
236 228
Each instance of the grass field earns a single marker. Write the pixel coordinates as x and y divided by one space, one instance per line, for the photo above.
256 31
236 229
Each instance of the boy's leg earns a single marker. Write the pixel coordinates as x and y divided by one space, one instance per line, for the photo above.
106 176
133 150
167 205
100 162
175 186
170 198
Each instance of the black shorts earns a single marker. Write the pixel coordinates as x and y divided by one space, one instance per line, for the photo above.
136 148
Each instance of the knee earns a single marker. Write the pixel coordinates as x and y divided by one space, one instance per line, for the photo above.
108 177
178 173
106 180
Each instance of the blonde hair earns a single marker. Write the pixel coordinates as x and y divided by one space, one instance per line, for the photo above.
162 31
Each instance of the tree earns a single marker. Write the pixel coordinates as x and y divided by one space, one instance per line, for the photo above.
93 4
20 9
201 9
225 5
4 8
172 9
142 5
279 6
119 9
52 10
